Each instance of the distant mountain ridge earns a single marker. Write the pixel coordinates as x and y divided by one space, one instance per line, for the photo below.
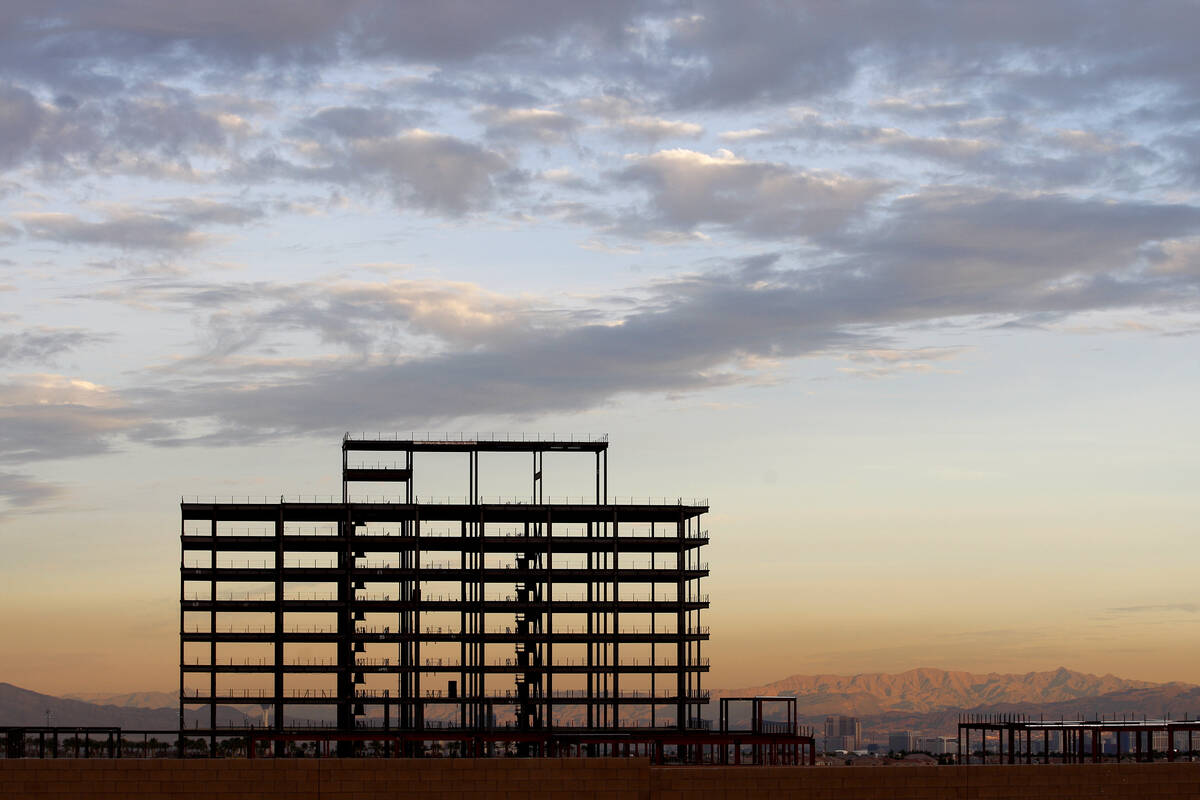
925 690
128 699
923 700
24 707
1173 700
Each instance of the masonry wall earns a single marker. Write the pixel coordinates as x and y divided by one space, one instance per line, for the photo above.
1068 782
574 779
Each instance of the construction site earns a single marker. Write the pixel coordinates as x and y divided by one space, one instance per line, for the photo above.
398 640
407 619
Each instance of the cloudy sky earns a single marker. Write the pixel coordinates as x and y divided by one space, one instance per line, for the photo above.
908 290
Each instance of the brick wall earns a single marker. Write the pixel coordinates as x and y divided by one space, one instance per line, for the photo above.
1053 782
573 779
324 779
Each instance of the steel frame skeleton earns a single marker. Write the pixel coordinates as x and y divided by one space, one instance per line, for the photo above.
627 547
1077 741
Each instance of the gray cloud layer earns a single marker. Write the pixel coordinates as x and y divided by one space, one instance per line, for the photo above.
689 189
173 226
1019 161
41 344
696 53
418 352
21 492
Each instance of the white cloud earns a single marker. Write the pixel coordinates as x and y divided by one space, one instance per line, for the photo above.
629 121
536 124
420 169
689 189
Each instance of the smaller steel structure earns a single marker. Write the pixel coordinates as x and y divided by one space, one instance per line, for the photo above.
744 722
759 707
1020 739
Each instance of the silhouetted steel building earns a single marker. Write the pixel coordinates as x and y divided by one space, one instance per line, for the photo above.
423 614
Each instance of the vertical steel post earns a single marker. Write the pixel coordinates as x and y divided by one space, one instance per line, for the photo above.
680 629
616 621
182 628
212 633
591 641
549 631
277 652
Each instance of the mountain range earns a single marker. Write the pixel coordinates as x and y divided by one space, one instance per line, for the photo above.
924 700
24 707
925 689
928 701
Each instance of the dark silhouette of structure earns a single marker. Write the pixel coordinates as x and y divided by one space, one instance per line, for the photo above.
1019 738
442 617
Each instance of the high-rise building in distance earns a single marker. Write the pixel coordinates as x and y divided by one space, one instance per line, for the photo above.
842 733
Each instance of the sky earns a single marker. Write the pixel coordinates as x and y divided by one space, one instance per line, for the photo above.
910 291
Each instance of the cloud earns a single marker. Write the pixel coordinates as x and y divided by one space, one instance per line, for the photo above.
20 119
890 356
42 344
481 353
1187 608
810 126
276 34
356 122
361 317
655 129
1176 257
563 177
631 123
47 416
199 211
170 123
694 56
421 170
887 362
1024 52
555 371
431 171
173 226
922 109
526 124
156 131
688 190
424 352
22 492
126 230
958 250
797 52
972 115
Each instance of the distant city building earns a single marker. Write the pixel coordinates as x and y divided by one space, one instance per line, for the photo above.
842 733
900 742
1113 741
937 745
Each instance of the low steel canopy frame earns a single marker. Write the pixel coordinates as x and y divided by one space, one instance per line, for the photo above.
1017 736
